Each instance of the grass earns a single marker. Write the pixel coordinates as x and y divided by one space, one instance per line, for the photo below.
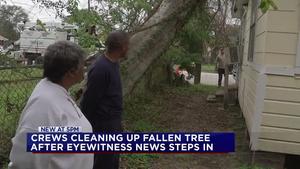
10 111
209 68
20 73
140 113
138 161
142 110
16 86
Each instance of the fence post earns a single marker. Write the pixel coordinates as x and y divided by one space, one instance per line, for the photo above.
226 86
197 75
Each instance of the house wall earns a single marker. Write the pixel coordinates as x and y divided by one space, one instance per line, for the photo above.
280 124
273 78
248 82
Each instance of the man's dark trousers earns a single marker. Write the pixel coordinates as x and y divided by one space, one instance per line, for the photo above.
221 72
107 161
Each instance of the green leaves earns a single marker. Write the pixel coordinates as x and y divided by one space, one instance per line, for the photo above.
105 15
40 23
189 43
9 17
265 5
72 6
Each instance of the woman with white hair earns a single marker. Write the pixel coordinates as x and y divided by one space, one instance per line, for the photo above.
50 104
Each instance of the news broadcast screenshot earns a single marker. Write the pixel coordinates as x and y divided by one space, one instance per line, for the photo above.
149 84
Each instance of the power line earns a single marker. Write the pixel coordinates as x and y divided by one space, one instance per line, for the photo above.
40 10
20 4
32 8
47 12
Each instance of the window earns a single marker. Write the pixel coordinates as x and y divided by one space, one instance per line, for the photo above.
254 8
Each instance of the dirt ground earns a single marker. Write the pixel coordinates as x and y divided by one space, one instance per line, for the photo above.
186 110
191 113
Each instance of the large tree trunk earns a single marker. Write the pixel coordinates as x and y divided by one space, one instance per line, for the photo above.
153 38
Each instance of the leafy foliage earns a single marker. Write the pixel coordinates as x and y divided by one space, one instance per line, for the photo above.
196 31
188 46
40 23
265 5
9 17
125 14
177 54
85 20
107 15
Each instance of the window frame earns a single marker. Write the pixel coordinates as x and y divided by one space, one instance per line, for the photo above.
252 33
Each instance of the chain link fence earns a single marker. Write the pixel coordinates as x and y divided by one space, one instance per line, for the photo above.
16 84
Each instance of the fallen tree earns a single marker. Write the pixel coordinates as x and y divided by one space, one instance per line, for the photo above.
155 36
148 41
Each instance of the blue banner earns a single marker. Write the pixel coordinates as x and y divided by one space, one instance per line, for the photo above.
131 142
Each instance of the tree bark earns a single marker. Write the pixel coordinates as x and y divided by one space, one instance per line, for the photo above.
154 37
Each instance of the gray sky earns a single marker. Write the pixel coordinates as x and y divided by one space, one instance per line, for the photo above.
35 12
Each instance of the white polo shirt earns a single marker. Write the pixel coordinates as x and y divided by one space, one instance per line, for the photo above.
49 105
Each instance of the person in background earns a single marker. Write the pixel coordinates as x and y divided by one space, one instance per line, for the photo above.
50 104
220 65
102 101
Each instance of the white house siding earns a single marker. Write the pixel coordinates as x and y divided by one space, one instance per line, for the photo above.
269 91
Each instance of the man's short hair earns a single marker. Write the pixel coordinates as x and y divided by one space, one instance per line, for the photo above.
61 57
116 40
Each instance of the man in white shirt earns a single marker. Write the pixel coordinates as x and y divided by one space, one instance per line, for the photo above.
51 105
220 65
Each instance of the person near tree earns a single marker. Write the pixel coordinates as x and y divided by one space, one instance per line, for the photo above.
220 66
102 98
50 104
